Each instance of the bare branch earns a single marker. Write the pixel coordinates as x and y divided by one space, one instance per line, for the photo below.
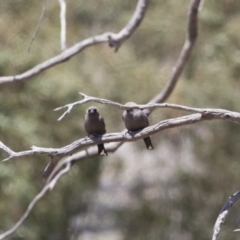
81 155
114 146
13 154
127 136
62 4
132 25
114 40
38 25
86 99
224 212
47 187
185 53
151 106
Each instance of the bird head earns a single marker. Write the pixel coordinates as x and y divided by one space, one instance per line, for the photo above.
130 104
92 110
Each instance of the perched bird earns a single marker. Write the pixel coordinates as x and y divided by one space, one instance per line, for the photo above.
135 120
94 125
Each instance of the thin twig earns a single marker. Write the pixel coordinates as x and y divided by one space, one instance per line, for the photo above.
38 25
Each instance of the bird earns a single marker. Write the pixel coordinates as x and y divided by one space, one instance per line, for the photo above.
94 125
50 167
135 119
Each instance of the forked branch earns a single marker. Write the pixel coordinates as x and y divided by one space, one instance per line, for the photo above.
114 40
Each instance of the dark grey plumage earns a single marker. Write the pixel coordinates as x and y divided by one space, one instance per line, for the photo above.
94 125
135 120
50 167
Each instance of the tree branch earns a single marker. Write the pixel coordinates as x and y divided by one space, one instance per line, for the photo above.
224 213
192 31
210 114
62 4
132 25
81 155
47 187
115 40
151 106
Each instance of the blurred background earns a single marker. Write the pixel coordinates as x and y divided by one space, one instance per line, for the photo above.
173 192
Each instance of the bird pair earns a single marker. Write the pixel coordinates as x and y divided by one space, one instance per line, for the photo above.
135 119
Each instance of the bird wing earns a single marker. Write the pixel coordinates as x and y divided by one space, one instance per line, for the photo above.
101 119
145 118
123 116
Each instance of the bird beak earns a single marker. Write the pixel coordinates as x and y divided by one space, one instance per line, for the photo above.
91 111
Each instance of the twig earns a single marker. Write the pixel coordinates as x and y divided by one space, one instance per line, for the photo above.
62 4
38 25
47 187
114 40
151 106
223 214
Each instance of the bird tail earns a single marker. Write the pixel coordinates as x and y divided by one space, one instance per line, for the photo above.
101 150
148 143
48 170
